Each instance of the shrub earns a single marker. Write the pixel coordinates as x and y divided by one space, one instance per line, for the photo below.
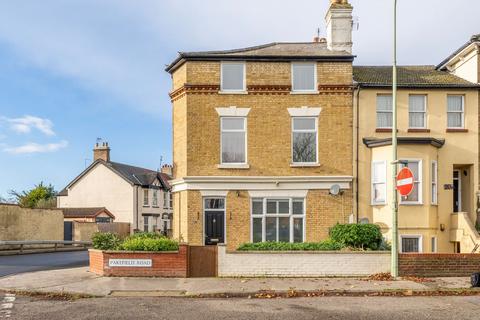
105 241
364 236
148 244
146 235
327 245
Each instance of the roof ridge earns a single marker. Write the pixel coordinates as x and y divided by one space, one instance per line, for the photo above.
398 66
251 48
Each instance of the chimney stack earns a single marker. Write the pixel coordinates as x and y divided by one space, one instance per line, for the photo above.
339 26
101 151
167 169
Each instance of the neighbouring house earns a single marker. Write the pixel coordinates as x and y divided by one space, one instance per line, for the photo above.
263 139
95 214
438 119
130 194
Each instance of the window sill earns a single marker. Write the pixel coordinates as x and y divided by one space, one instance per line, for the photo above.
457 130
384 130
378 204
418 130
146 206
411 203
305 92
232 92
155 207
304 165
233 166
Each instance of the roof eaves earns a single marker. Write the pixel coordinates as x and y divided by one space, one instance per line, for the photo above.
473 39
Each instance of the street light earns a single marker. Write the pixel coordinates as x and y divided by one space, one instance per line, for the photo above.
394 253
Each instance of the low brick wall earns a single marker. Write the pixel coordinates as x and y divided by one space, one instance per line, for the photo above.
301 264
164 264
438 264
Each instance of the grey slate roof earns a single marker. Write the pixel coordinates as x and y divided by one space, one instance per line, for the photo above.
84 212
134 175
473 39
409 77
271 51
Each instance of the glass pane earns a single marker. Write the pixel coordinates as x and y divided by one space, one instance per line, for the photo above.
297 206
414 195
232 76
384 120
284 229
303 124
283 206
304 147
217 203
297 230
257 230
410 244
379 192
455 103
379 172
271 229
416 120
413 166
233 147
454 120
271 206
416 103
304 76
384 103
233 123
257 206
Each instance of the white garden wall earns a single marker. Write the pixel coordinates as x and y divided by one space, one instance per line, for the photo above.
301 264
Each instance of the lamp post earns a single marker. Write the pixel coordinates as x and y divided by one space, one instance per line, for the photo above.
394 253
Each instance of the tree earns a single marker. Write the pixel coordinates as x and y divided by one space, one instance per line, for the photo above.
41 196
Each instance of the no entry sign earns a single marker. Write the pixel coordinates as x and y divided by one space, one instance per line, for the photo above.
405 181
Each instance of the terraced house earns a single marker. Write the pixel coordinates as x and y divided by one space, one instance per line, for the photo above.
263 140
438 140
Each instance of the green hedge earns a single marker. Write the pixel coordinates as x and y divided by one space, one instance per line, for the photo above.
364 236
327 245
143 241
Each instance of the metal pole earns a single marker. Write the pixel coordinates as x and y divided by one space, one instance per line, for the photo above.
394 267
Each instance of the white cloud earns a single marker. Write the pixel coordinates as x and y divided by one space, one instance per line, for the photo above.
32 147
26 123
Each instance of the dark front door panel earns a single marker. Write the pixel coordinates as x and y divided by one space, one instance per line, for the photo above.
214 227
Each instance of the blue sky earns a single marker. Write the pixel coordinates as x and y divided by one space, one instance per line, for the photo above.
72 71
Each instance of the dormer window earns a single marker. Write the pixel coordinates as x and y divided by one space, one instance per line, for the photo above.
304 77
232 76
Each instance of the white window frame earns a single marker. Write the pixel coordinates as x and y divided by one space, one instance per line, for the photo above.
372 183
155 198
242 90
234 130
376 109
434 182
165 199
420 184
462 112
316 140
424 111
290 215
147 202
315 79
420 242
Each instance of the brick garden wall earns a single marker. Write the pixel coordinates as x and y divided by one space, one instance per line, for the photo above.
164 264
438 264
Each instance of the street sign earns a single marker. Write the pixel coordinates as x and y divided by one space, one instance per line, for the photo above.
405 181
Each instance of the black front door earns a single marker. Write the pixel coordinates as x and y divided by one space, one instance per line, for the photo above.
214 227
456 191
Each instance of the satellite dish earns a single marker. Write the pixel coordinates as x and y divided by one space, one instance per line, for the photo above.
335 190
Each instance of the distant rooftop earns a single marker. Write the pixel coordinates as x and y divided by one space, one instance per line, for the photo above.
270 51
408 76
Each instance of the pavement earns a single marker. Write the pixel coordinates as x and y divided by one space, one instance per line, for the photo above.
369 308
10 265
81 281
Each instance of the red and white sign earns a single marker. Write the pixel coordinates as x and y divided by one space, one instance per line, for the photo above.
405 181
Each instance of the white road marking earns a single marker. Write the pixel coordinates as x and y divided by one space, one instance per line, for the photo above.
7 305
404 182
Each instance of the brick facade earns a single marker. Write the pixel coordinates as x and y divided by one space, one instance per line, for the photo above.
164 264
438 264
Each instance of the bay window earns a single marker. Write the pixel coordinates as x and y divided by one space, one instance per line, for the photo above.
415 197
278 219
379 182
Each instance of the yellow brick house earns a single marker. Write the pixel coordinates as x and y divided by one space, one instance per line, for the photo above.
261 138
437 139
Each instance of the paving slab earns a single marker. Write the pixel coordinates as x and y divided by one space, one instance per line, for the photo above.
80 280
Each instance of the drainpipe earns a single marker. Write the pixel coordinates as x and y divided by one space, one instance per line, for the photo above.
136 207
357 148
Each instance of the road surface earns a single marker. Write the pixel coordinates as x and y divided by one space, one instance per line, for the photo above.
42 261
371 308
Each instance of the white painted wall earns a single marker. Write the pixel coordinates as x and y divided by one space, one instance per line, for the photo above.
101 187
301 264
467 67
